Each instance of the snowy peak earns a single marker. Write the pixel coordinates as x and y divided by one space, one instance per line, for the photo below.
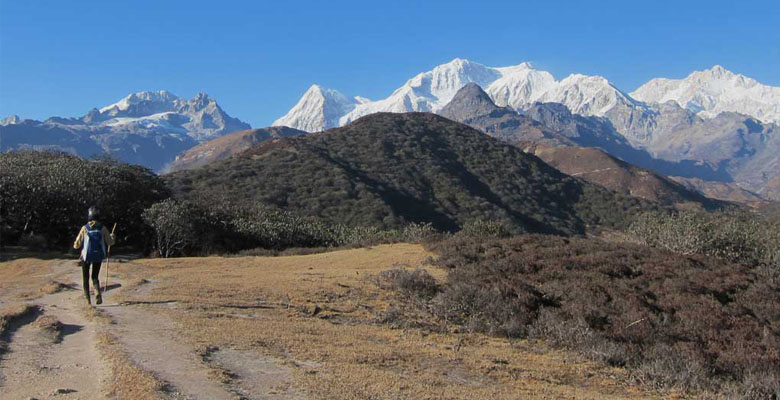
716 72
200 118
441 83
162 98
516 86
713 91
318 109
520 85
587 95
428 91
10 120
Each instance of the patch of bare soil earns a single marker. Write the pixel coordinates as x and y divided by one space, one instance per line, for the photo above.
52 352
156 344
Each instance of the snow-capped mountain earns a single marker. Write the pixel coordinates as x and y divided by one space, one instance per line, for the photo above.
146 128
713 91
428 91
587 95
516 86
201 118
519 85
10 120
319 109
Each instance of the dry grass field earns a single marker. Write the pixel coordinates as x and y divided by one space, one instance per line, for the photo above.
320 315
315 326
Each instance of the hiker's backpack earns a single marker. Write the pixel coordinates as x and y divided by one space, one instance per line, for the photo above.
94 246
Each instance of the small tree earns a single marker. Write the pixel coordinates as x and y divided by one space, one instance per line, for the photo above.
175 224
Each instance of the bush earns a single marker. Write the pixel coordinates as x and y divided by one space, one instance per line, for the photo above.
485 228
739 237
218 225
677 321
415 283
48 194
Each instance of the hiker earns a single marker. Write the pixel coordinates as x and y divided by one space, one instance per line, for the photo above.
95 238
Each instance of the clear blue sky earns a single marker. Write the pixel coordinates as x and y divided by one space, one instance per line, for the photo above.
256 58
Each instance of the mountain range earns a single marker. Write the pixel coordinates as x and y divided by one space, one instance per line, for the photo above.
714 130
713 125
572 144
146 128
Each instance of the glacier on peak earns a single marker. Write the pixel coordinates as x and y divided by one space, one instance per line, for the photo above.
713 91
160 96
514 86
318 109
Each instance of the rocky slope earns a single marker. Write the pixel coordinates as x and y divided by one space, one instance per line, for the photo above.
596 166
473 107
722 191
228 145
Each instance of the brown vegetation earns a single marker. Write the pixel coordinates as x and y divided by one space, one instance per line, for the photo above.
225 146
685 322
596 166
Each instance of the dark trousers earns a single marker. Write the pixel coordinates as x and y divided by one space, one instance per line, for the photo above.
95 273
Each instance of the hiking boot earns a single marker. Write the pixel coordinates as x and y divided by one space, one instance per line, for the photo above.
98 299
89 300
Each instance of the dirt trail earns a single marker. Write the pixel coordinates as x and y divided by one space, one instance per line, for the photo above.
150 341
36 366
155 344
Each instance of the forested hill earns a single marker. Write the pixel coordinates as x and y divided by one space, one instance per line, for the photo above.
390 169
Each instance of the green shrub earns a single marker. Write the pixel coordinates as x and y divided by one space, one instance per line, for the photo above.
218 225
485 228
390 170
48 194
741 237
33 241
178 227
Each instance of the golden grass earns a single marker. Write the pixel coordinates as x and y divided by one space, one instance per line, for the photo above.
22 278
128 381
264 304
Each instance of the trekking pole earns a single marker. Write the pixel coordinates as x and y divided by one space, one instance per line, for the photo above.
108 254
